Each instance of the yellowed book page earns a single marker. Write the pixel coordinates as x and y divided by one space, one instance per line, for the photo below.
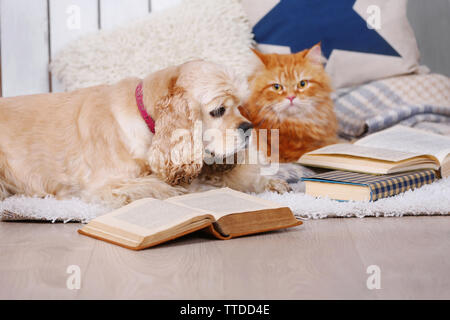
364 152
225 201
401 138
148 216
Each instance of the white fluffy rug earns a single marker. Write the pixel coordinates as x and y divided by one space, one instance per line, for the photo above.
20 208
431 199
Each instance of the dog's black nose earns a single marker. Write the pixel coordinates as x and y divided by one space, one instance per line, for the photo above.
245 126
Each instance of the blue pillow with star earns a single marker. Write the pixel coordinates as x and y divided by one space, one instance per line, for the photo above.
362 40
299 24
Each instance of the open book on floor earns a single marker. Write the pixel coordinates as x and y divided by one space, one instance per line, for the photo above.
225 213
397 149
344 185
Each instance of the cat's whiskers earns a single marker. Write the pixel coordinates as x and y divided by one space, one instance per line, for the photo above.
264 117
266 108
299 106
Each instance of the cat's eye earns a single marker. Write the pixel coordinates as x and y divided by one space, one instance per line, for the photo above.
302 84
277 87
216 113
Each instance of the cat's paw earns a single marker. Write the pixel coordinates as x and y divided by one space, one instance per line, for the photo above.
277 185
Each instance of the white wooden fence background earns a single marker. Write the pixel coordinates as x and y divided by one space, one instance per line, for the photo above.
32 31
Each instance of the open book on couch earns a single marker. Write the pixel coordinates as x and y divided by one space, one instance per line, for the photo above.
225 213
394 150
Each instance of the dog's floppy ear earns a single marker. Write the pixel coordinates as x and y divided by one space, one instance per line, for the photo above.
176 153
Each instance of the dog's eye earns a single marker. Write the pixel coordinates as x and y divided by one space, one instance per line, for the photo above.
218 112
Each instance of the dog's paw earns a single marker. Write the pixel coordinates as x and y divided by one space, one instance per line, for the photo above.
174 167
182 173
169 191
277 185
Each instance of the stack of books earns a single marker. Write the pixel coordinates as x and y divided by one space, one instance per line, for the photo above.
380 165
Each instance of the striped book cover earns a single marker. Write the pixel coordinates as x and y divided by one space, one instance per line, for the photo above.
344 185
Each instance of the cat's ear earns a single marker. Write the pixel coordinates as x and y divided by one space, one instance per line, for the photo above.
264 59
315 55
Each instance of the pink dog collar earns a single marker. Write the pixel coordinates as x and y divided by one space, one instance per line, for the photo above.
140 103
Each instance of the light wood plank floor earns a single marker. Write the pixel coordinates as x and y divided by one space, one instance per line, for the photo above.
321 259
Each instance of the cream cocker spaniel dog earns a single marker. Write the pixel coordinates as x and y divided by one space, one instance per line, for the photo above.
95 143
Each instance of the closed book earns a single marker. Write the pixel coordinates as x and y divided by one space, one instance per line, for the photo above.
354 186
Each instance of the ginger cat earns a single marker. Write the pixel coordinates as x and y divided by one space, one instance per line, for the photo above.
292 93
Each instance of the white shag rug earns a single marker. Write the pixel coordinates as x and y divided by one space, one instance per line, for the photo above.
433 199
213 30
20 208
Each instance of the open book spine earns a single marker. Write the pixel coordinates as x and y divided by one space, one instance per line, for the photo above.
215 230
397 184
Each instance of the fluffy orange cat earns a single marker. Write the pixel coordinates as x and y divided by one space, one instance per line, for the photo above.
292 93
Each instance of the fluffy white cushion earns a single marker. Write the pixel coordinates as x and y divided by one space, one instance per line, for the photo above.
213 30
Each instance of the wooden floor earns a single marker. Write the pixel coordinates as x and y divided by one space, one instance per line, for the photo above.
324 259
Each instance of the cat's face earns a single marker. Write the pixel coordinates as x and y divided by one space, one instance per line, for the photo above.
292 94
290 86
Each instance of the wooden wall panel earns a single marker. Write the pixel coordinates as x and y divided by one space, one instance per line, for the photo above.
159 5
431 23
70 19
25 47
117 12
